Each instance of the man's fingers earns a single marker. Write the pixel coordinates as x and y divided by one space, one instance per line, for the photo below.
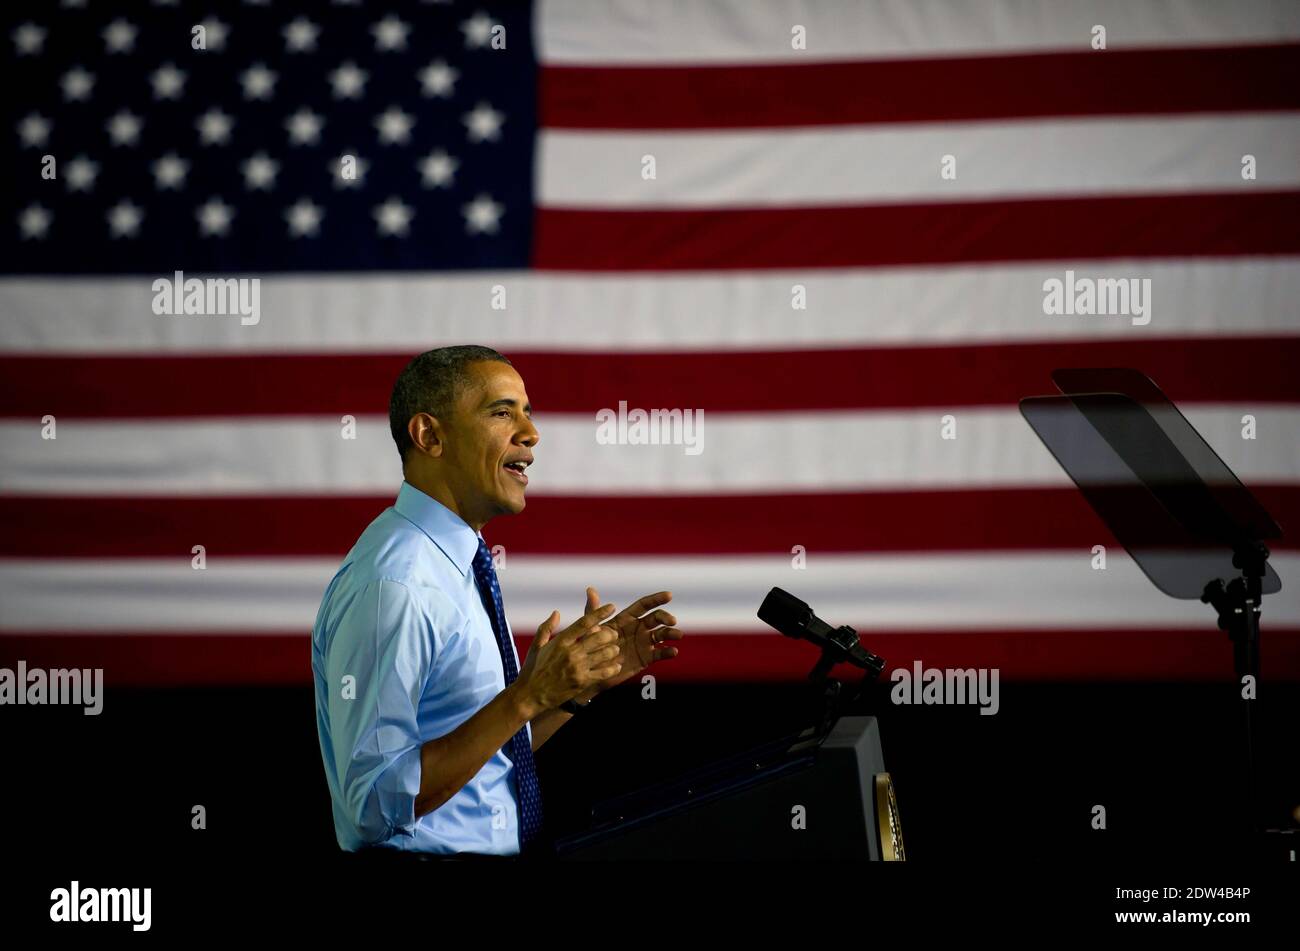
593 599
546 629
658 651
602 637
602 654
641 605
587 624
658 619
604 673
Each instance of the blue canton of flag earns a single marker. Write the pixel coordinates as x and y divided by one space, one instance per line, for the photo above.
304 137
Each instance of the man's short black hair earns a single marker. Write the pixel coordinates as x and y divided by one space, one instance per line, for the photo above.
430 384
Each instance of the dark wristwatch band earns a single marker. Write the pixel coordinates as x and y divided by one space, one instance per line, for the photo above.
573 706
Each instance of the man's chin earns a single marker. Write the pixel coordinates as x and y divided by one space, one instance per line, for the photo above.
511 505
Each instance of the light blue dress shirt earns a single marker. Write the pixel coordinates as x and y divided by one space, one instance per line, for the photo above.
403 617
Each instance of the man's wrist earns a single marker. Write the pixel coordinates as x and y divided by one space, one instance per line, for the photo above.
522 703
582 700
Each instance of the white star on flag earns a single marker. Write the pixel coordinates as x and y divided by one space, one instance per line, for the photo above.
34 222
394 217
484 123
169 171
168 82
214 217
477 30
260 171
394 126
258 82
348 81
29 38
303 218
124 128
34 129
214 33
482 215
438 79
80 174
358 167
124 219
304 127
437 169
77 84
119 36
390 34
214 127
300 35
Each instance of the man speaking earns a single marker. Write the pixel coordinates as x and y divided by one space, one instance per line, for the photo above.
427 723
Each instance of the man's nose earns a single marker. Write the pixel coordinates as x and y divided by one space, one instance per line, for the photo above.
529 436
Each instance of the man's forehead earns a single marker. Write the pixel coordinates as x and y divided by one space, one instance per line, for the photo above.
496 381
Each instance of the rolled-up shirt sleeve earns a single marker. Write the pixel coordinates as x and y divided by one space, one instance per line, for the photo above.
385 644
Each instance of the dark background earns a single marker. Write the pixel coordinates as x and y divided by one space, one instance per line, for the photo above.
1017 786
996 814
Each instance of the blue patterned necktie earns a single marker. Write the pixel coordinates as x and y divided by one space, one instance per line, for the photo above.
521 749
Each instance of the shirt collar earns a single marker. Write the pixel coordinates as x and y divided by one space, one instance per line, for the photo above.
444 527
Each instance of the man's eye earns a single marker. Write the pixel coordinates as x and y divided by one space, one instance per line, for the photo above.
502 412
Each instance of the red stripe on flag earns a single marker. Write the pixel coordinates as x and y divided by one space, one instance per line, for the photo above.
1012 519
1205 369
1211 225
180 659
1116 82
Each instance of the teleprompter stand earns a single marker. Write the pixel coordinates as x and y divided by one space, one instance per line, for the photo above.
1194 530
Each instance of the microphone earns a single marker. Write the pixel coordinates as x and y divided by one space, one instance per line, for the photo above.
794 618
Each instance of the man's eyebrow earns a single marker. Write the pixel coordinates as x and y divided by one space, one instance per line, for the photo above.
506 401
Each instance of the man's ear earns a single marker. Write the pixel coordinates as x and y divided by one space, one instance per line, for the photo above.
427 434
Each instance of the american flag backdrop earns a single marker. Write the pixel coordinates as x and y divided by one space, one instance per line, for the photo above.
827 226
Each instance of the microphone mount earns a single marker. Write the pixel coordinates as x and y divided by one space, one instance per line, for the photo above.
794 618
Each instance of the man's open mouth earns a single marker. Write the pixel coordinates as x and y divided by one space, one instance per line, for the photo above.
516 470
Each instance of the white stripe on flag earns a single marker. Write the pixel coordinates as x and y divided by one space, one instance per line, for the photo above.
544 312
741 453
627 32
918 592
901 163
